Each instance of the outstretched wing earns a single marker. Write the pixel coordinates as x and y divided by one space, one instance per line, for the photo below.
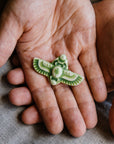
42 67
70 78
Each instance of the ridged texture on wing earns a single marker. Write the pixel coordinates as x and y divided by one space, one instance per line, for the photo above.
42 67
71 78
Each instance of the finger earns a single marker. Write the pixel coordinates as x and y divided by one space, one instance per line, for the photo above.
69 110
10 32
93 73
111 117
45 100
20 96
84 98
16 76
31 116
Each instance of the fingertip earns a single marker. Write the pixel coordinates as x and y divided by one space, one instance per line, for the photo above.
15 76
20 96
74 122
77 130
13 99
99 90
89 114
53 120
56 129
9 77
91 124
91 121
101 97
31 116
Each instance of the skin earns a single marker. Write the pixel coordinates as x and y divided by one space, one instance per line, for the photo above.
46 29
105 46
105 51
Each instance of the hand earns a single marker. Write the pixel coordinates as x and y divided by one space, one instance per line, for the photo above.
105 45
46 29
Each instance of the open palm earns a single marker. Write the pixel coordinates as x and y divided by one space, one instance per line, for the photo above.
46 29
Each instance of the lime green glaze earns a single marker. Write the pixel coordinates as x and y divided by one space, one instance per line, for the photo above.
57 71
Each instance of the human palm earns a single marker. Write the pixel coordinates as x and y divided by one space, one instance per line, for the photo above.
46 29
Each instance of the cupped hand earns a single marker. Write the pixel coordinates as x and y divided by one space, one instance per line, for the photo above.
46 29
105 45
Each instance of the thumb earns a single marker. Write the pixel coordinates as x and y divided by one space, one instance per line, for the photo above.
10 32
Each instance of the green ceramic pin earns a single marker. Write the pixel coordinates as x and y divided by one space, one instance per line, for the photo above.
57 71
